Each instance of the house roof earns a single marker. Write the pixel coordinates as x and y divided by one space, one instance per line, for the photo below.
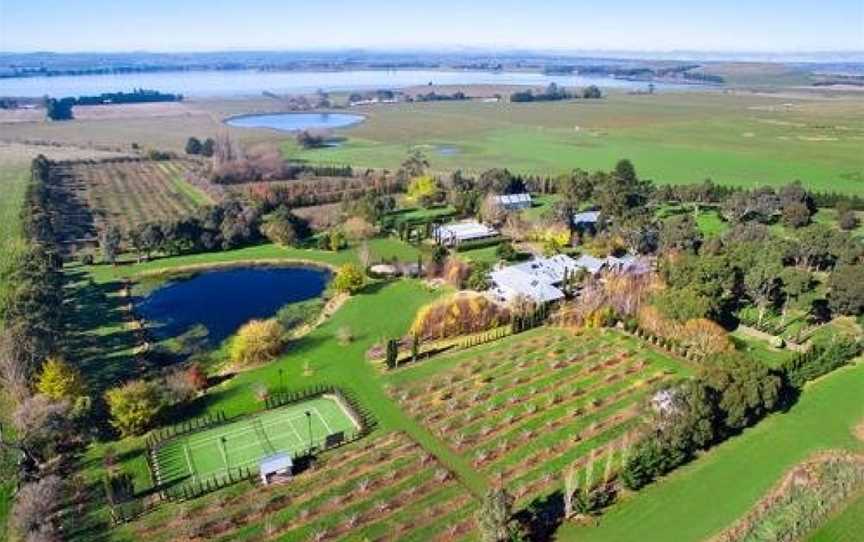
588 217
275 463
626 263
590 263
537 279
514 199
464 231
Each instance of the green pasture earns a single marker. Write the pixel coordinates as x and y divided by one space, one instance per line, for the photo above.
709 494
734 139
846 526
242 444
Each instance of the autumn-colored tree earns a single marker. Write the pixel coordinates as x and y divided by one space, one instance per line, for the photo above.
349 279
134 406
704 337
460 314
258 341
455 272
59 380
358 229
424 190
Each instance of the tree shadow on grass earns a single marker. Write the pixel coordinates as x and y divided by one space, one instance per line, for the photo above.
543 516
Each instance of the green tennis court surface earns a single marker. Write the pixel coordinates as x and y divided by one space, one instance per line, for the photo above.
243 443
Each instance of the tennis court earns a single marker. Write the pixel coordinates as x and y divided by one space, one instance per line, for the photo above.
243 443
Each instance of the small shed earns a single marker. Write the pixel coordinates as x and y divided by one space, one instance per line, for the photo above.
514 202
276 465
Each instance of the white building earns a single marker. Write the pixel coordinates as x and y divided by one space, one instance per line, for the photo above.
514 202
452 235
540 279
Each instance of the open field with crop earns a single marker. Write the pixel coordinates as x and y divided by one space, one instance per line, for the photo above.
708 495
530 406
384 488
735 139
95 195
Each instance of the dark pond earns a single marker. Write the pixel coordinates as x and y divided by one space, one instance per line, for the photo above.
222 301
294 122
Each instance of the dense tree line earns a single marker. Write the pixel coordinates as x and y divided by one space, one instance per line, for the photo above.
51 405
730 393
554 93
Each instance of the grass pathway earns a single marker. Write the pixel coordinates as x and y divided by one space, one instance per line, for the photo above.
706 496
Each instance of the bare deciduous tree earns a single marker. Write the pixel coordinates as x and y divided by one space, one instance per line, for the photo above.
34 510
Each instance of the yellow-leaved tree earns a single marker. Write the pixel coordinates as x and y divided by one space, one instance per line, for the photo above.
424 190
59 380
257 341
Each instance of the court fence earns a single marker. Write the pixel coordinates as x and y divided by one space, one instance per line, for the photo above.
196 487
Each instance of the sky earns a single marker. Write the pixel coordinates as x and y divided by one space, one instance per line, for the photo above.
571 25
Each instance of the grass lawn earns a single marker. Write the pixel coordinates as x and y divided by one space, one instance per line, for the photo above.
382 248
846 526
706 496
671 138
761 350
13 185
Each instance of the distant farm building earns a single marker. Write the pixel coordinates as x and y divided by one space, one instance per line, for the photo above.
586 222
514 202
453 235
540 279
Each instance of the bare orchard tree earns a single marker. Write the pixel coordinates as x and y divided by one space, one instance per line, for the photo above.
35 510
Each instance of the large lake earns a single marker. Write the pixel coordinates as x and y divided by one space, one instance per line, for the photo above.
293 122
253 83
223 300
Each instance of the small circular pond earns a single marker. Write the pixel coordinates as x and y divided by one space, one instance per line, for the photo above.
294 122
223 300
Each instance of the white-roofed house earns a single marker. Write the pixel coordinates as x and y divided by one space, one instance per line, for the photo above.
514 202
540 279
456 233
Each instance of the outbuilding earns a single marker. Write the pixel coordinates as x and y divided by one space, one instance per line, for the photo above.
275 466
456 233
514 202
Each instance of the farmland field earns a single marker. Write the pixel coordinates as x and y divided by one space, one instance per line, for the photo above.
94 195
384 488
527 408
734 139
